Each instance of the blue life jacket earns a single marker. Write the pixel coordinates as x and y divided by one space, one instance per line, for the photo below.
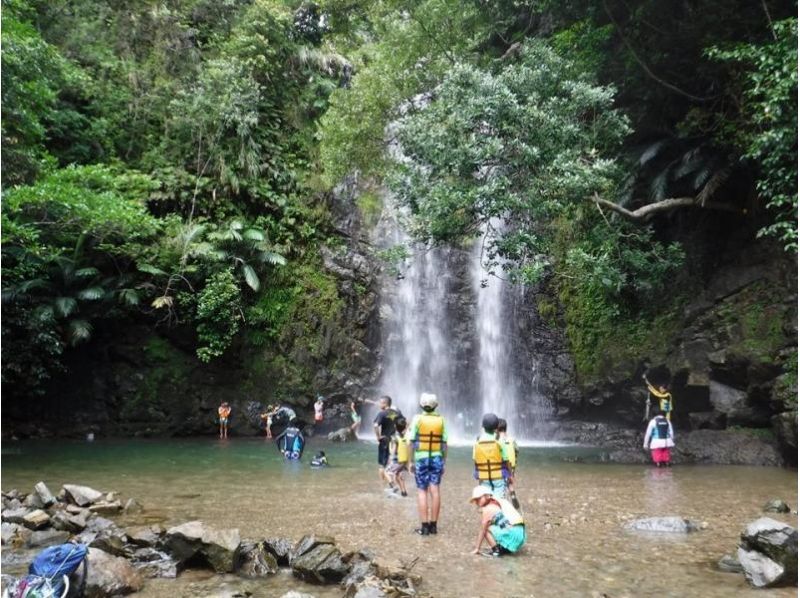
292 444
55 562
662 428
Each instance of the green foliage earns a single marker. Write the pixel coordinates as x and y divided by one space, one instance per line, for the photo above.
526 145
218 315
370 205
768 133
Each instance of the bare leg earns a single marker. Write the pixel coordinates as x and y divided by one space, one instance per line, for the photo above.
401 481
436 502
490 539
422 505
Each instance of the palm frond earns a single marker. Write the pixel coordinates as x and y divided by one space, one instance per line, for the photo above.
86 272
44 313
253 234
92 293
79 331
64 306
270 257
712 186
192 233
36 283
128 297
150 269
651 151
250 277
658 186
163 301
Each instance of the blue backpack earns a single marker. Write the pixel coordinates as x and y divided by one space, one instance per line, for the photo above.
48 574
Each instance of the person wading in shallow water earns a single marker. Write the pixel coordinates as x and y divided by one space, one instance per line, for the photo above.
659 438
224 413
501 526
429 437
384 428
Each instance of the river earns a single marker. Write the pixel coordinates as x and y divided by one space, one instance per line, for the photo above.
574 514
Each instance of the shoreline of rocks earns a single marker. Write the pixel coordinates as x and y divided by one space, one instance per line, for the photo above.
121 559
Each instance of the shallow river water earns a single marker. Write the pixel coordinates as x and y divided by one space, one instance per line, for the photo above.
574 514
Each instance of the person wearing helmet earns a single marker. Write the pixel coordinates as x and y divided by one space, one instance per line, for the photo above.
502 526
491 459
428 435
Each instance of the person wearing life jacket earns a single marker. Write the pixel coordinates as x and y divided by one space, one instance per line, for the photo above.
662 395
428 435
490 458
224 413
291 442
659 438
384 429
398 458
502 526
512 451
319 460
319 405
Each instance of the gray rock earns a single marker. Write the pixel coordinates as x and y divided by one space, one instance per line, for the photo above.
106 508
776 506
254 560
83 496
369 591
36 519
341 435
218 547
760 570
132 506
774 539
98 524
154 563
9 531
359 571
707 420
44 494
145 535
48 537
16 515
110 576
113 541
321 564
662 525
62 520
32 501
281 549
307 543
294 594
730 564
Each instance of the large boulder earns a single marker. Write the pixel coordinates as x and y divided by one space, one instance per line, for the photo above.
43 492
109 575
83 496
280 548
321 564
307 543
146 536
254 560
217 547
760 570
342 435
774 539
662 525
36 519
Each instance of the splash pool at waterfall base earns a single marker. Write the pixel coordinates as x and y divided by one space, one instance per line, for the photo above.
574 513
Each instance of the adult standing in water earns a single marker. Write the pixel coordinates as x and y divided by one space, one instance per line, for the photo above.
319 406
224 412
384 428
429 437
659 438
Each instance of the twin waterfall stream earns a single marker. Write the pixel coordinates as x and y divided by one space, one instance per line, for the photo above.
448 328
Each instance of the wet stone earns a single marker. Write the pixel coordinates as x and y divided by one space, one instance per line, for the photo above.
776 506
83 496
36 519
254 560
154 563
49 537
15 515
662 525
44 494
730 564
281 549
308 543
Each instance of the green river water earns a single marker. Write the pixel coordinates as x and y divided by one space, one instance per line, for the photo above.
574 514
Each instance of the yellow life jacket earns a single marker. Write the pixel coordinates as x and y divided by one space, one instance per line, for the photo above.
511 451
402 450
509 512
488 458
429 433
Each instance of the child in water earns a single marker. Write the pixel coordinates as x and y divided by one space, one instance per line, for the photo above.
398 455
319 460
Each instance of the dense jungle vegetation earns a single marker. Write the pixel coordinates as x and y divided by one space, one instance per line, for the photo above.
170 162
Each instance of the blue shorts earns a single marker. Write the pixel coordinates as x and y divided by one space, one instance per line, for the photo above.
429 471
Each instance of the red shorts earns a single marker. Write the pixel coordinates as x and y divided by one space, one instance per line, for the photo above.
660 455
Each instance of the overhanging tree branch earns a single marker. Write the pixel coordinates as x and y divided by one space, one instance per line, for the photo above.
645 213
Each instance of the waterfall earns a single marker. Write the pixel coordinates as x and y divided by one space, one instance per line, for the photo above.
448 327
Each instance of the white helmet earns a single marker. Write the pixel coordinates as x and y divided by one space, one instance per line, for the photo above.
427 399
